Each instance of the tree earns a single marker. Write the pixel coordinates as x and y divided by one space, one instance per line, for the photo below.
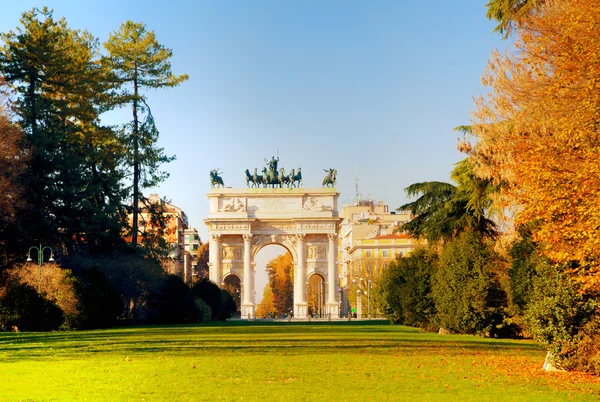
174 303
465 288
203 259
220 301
22 307
53 283
99 303
509 12
72 186
444 211
12 166
139 62
134 277
266 306
12 158
536 133
405 289
280 271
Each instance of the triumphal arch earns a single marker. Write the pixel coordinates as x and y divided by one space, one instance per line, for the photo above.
241 221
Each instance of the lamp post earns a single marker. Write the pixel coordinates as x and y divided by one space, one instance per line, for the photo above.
40 253
369 298
340 302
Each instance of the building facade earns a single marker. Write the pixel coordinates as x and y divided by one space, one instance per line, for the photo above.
192 243
369 240
178 260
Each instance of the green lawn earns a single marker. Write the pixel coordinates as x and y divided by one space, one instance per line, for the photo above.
278 361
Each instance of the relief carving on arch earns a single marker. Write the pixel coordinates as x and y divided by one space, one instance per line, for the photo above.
232 253
314 238
316 252
273 226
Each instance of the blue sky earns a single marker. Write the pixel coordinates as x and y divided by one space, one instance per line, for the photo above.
327 84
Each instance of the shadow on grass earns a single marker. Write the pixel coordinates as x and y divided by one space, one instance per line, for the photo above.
255 337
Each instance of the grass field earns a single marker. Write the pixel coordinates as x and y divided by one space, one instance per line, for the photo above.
342 361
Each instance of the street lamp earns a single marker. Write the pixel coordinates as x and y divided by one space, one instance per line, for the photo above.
40 253
369 298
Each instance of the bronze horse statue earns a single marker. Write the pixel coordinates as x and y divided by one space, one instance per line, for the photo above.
329 179
249 179
215 179
297 177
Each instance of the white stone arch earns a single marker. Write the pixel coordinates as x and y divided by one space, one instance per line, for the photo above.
231 273
301 220
282 241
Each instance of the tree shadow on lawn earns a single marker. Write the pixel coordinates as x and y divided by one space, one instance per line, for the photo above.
187 342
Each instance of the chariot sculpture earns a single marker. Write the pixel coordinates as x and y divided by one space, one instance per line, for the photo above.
273 177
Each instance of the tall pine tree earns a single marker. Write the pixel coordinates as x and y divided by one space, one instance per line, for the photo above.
139 62
73 184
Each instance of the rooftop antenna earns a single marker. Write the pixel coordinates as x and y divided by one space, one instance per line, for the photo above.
356 183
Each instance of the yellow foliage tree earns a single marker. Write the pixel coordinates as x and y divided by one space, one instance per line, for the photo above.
280 270
266 305
538 132
55 284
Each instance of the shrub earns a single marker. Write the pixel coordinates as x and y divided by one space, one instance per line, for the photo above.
174 303
466 293
557 310
53 283
132 275
229 307
405 289
204 311
21 306
100 305
220 301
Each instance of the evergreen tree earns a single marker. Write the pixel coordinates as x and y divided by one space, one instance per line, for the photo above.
72 185
139 62
444 211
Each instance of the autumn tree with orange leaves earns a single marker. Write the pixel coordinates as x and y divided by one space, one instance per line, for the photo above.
280 271
538 133
13 157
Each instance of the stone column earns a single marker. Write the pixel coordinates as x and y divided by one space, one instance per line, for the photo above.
333 307
300 305
248 289
214 258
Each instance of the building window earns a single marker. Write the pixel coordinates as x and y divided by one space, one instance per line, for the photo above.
384 254
368 254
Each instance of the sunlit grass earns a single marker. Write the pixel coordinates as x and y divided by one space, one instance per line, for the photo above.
272 361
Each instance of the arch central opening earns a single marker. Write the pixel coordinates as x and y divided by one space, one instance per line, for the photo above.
274 282
316 296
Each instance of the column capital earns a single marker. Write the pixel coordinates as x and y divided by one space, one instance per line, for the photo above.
215 237
332 236
247 236
300 236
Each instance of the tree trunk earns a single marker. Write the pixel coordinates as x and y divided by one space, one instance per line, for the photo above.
136 166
